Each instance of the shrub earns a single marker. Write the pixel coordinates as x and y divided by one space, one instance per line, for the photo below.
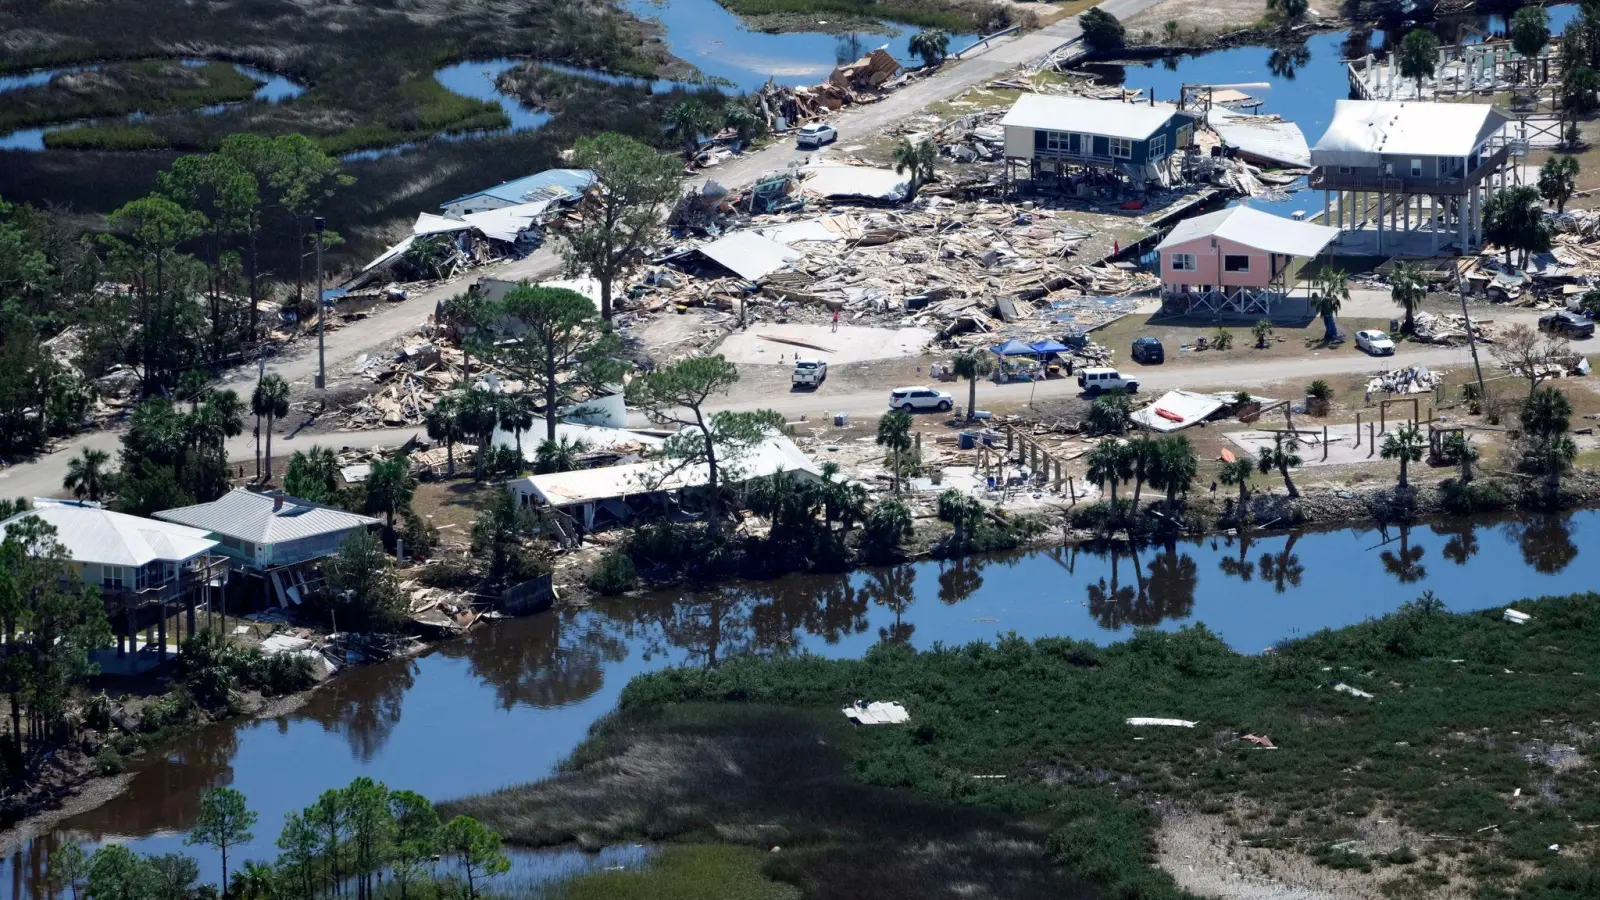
109 762
1110 414
614 575
1102 31
1222 339
1320 390
452 573
166 712
1473 497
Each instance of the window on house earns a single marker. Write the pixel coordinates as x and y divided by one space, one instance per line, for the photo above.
1344 170
1122 148
1416 168
1158 147
114 577
1235 262
1185 136
1183 262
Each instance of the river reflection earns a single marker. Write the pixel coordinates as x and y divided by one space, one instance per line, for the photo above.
510 701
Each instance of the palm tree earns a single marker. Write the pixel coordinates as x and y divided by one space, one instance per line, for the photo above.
1457 445
894 434
87 477
918 159
516 416
444 424
1238 473
1144 456
972 364
1547 413
688 120
1110 461
1175 467
389 487
559 455
1408 289
744 122
1282 456
1406 444
1333 288
931 45
478 411
192 387
270 401
1419 54
843 501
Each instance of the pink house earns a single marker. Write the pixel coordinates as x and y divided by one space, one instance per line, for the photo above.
1237 260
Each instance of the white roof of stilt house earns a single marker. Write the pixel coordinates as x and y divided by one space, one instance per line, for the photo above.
1364 131
1253 228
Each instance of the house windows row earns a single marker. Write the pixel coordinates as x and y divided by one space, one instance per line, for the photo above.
1062 141
1184 262
1231 262
1158 147
1122 148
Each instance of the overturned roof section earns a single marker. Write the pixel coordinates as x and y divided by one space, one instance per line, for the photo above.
552 184
258 518
103 537
1364 131
749 255
1253 228
1108 118
1282 143
841 182
776 454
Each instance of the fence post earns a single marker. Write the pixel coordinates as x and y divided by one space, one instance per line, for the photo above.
1358 431
1372 441
1324 443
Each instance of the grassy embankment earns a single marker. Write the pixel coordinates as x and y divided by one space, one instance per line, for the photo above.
369 69
150 86
954 16
1451 781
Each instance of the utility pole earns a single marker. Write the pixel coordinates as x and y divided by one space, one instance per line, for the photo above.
1472 340
318 224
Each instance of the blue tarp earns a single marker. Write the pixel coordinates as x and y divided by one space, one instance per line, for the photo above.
1050 347
1015 347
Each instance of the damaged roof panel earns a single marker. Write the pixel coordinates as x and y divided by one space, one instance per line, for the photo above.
749 255
841 182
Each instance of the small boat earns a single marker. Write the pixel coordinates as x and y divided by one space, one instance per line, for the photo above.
1227 455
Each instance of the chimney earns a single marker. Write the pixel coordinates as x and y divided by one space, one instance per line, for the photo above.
277 503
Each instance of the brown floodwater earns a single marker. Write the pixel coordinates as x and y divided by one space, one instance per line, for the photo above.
508 702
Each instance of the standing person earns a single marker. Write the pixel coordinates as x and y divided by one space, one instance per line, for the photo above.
836 320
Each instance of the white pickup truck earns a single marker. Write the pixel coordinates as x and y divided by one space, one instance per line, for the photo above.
809 373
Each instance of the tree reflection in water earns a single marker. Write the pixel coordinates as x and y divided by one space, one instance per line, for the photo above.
1283 569
1241 568
1463 539
1168 593
1406 563
555 659
959 579
1285 63
1546 542
892 589
365 707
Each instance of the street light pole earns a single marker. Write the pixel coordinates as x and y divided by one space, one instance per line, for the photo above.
318 224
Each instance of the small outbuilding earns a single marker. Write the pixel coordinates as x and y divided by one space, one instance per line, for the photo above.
1236 261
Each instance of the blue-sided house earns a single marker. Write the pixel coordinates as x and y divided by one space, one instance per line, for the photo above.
1051 138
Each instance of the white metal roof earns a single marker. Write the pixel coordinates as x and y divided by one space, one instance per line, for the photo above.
92 535
1278 142
250 516
1362 131
595 437
840 181
1134 121
776 454
1253 228
749 255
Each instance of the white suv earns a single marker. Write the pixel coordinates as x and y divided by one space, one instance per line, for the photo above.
912 399
1100 380
816 134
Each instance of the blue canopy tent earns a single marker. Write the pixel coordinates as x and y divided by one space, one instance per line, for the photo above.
1015 347
1046 347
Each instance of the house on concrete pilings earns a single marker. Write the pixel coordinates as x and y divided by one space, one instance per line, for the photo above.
1050 140
1237 262
272 537
145 569
1412 178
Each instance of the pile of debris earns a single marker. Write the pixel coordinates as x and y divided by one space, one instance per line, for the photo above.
1451 328
864 81
1409 380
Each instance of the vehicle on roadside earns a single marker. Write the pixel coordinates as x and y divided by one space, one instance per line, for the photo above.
816 134
1149 351
913 399
1567 324
1097 380
1375 342
809 373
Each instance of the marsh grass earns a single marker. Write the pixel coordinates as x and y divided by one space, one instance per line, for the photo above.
684 872
119 89
1442 749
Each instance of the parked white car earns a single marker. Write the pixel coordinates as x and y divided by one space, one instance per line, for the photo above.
1095 381
816 134
1375 342
809 373
912 399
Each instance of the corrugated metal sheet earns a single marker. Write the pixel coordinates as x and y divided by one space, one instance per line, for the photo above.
749 255
549 184
1275 142
110 538
1253 228
776 454
1133 121
249 516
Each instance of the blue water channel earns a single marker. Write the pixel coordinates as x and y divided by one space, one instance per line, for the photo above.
272 88
508 702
